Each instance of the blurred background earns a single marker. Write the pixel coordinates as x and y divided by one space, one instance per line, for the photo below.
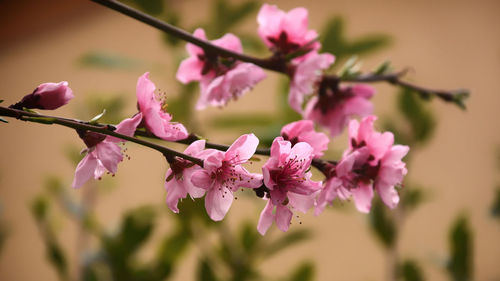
447 227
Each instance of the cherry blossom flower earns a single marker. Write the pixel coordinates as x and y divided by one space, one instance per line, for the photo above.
221 79
156 119
333 109
303 131
222 174
306 76
47 96
285 33
103 152
371 162
178 177
289 182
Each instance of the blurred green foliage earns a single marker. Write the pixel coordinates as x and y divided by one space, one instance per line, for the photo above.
461 250
411 271
334 41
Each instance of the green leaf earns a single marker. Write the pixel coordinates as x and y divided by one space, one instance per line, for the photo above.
100 101
460 97
39 208
1 101
333 36
411 271
252 43
231 121
383 68
495 208
412 197
369 43
152 7
227 15
97 117
289 239
101 59
304 272
421 120
461 250
249 237
42 120
136 227
171 250
335 42
381 224
57 258
205 272
3 120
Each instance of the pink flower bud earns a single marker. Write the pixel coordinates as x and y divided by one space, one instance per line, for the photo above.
47 96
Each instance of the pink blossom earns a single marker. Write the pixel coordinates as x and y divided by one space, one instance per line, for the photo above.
222 174
103 153
372 162
333 109
178 178
221 79
47 96
306 76
285 32
303 131
156 119
287 177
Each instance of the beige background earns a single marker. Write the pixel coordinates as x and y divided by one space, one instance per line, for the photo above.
449 44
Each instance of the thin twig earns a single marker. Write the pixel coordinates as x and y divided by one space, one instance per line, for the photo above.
34 117
277 63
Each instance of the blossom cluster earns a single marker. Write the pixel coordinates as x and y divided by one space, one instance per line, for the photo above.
370 163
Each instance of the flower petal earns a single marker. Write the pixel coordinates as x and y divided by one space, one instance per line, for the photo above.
190 70
242 149
85 170
266 218
217 203
283 217
109 154
363 196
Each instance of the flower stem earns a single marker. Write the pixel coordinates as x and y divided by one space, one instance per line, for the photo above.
102 129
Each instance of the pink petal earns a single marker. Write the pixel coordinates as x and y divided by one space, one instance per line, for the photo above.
327 195
295 25
266 218
345 165
190 70
126 127
363 196
53 95
109 154
246 179
217 203
85 170
366 128
201 179
194 192
229 42
175 191
195 148
242 149
302 152
269 19
388 194
242 78
301 202
283 217
213 92
213 160
145 92
192 49
363 90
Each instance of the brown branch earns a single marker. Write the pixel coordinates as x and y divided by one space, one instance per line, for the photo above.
102 129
